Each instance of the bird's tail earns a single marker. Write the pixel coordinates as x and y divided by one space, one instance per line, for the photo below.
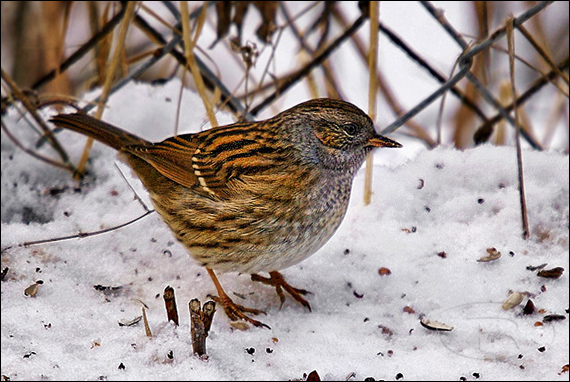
103 132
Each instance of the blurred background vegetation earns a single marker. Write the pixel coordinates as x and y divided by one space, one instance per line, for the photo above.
248 57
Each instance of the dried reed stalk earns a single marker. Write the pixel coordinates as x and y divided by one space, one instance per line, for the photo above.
372 91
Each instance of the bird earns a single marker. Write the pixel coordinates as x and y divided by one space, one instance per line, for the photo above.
252 196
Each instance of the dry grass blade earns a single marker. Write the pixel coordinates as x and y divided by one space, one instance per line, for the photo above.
136 195
511 45
147 330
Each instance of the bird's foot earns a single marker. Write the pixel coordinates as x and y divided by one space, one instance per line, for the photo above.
234 311
277 280
238 312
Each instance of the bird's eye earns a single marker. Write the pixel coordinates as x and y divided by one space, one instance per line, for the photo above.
350 129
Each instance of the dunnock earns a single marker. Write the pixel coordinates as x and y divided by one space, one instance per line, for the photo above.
252 196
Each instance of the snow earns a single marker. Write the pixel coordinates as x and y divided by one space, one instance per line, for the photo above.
433 215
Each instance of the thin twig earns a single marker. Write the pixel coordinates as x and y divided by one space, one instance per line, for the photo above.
511 45
81 235
137 197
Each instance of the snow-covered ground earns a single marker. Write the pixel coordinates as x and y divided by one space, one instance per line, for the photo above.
433 215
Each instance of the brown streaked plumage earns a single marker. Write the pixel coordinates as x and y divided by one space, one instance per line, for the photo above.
253 196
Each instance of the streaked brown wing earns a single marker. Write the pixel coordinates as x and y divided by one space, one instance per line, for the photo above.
212 161
226 155
170 157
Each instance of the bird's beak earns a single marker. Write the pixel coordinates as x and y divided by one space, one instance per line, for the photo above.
380 141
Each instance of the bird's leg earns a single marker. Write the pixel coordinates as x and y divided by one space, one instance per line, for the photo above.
277 280
234 311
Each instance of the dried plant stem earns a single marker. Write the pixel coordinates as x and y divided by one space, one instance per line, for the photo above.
170 304
118 54
200 324
191 63
511 45
372 91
